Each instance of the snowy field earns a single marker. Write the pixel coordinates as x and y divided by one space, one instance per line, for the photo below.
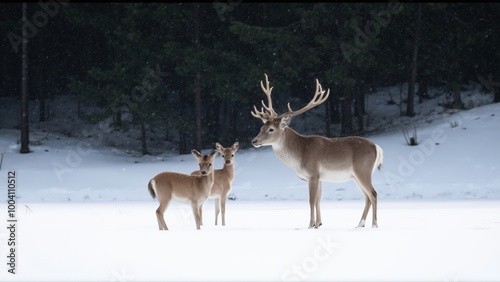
416 241
84 213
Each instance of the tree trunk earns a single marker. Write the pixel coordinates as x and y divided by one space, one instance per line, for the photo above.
197 80
197 111
41 97
496 99
118 118
41 77
457 98
400 105
453 81
360 109
335 107
346 101
183 120
213 125
182 142
327 120
233 121
144 146
423 89
25 139
410 109
453 75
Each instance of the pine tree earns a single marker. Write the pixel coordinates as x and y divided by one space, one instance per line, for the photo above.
25 139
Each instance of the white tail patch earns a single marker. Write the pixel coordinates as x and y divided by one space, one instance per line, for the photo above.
380 157
153 184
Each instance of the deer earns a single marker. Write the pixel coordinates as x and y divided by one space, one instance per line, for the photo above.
223 180
317 158
193 188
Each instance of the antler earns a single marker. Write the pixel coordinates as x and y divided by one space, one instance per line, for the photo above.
267 112
319 97
270 113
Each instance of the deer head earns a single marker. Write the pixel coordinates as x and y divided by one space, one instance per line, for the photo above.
227 153
205 161
275 124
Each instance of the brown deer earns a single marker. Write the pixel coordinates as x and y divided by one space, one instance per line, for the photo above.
316 158
195 189
223 181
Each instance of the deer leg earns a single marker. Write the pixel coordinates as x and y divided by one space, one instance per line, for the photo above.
223 209
318 210
196 213
362 221
374 208
313 192
159 216
201 214
370 194
217 209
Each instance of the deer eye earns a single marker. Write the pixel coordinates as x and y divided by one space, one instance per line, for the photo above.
232 155
200 165
271 130
223 156
209 165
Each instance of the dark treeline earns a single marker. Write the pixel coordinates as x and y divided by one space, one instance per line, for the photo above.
192 70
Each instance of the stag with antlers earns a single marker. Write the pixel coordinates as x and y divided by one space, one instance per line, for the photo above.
317 158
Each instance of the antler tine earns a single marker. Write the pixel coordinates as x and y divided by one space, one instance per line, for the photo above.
267 91
319 98
266 112
256 113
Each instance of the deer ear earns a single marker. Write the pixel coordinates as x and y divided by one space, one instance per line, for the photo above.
196 154
214 154
285 121
236 146
218 146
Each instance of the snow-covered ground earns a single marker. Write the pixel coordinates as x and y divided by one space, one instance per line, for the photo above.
84 213
263 241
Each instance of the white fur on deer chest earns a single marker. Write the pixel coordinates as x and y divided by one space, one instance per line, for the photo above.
291 160
327 172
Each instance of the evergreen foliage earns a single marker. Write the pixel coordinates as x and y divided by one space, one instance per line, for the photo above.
146 65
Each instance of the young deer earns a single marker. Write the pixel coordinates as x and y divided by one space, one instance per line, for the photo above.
315 158
223 181
195 189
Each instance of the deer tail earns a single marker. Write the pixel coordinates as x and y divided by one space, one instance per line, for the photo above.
151 187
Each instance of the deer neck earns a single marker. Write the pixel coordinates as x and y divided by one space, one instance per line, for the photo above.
208 179
289 148
229 170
